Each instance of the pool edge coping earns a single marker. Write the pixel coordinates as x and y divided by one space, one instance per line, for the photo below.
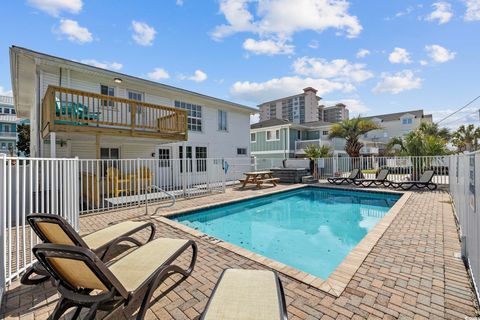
338 280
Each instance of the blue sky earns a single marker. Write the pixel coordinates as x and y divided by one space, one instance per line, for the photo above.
376 56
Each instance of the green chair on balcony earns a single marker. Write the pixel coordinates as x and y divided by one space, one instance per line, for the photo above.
72 110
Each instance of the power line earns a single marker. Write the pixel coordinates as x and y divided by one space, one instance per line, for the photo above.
477 112
459 109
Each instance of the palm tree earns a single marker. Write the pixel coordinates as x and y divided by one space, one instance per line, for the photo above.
466 138
314 152
432 129
351 130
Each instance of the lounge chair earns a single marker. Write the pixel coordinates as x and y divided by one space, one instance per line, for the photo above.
340 180
245 295
380 180
425 181
120 288
51 228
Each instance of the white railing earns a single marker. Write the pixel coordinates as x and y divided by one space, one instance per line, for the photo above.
32 185
300 145
464 177
8 134
400 168
114 184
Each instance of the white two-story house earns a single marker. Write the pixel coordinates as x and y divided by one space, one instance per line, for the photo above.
78 110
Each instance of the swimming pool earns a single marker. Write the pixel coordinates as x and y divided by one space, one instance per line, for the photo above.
311 229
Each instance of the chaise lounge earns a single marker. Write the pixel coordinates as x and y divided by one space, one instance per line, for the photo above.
425 181
380 180
52 228
120 288
246 295
340 180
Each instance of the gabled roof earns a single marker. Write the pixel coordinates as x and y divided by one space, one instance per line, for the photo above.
398 115
269 123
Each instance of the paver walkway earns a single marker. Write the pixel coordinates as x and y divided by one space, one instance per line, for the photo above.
412 272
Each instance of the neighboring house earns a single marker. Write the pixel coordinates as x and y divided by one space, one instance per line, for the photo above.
395 125
77 110
299 108
336 113
278 138
8 126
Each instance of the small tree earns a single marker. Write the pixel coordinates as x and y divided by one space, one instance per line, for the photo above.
314 152
351 130
466 138
23 143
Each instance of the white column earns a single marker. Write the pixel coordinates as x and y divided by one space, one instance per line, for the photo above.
53 142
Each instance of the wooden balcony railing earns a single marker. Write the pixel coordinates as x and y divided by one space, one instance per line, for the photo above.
70 110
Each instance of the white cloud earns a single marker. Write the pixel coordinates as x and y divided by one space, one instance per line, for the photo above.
4 92
423 62
104 65
338 69
198 76
55 7
464 116
254 118
179 2
355 106
283 18
314 44
442 13
158 74
398 82
362 53
73 31
143 34
257 92
439 54
399 55
473 10
268 47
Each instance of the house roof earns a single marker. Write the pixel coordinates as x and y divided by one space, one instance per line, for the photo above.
15 50
398 115
316 124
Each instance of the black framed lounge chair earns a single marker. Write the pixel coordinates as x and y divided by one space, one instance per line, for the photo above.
380 180
245 295
52 228
119 289
340 180
425 181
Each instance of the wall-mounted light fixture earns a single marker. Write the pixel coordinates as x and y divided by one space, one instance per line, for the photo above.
117 80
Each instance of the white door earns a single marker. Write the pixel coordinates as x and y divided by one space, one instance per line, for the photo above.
164 178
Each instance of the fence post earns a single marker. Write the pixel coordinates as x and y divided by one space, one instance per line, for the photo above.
184 169
3 210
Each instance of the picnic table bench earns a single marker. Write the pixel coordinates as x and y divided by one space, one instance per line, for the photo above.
258 178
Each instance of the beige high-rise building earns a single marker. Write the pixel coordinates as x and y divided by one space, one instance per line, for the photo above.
299 108
335 113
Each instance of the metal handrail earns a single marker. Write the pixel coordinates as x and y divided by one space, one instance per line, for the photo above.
172 197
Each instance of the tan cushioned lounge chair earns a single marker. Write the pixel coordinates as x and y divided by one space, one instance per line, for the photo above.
54 229
84 281
246 295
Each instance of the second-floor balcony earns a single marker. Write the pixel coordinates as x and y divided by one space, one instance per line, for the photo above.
70 110
301 145
8 135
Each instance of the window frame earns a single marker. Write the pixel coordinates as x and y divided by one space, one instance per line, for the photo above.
242 154
255 135
107 103
273 132
201 155
222 117
192 115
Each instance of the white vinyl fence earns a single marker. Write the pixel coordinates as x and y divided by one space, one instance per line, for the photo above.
464 177
32 185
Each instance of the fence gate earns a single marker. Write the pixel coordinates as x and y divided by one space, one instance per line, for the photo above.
32 185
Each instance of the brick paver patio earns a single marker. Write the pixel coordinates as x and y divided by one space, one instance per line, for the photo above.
413 272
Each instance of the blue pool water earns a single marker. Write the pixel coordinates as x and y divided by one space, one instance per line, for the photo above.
311 229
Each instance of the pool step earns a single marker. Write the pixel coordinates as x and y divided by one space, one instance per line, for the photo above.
309 179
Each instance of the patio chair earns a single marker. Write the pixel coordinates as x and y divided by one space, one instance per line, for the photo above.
51 228
120 288
118 183
142 179
340 180
245 295
425 181
380 180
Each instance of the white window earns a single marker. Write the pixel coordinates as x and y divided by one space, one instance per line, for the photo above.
108 91
137 96
325 132
6 110
273 135
194 111
201 156
222 120
407 121
241 151
253 137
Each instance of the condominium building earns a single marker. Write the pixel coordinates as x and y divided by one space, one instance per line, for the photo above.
335 113
299 108
8 126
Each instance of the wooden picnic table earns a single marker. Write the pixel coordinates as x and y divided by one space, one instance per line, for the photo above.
258 178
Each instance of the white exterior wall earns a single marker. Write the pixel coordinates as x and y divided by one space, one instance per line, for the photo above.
395 128
218 143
